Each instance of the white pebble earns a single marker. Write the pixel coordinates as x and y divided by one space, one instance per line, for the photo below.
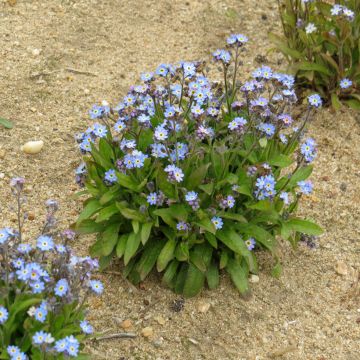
32 147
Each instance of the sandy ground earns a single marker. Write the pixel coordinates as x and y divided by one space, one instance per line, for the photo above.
57 58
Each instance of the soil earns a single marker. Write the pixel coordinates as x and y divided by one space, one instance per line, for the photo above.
58 57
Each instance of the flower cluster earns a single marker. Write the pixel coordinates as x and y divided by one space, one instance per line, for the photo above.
41 282
322 46
187 160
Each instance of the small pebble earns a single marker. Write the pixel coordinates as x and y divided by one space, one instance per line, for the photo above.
32 147
126 324
254 278
147 332
2 153
203 307
36 52
341 268
160 320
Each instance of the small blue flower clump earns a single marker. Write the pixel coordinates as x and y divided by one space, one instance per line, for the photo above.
43 282
190 162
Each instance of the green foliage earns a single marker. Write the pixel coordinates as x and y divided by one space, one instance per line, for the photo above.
6 123
322 58
143 214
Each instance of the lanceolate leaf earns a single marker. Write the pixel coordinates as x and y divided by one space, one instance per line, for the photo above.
238 275
304 226
6 123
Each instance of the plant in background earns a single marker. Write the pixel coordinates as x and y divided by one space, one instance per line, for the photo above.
43 290
192 176
321 42
6 123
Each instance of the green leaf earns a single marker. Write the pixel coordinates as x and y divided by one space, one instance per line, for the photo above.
305 226
224 258
127 182
90 209
105 261
132 244
106 213
232 216
206 224
166 255
177 211
211 239
276 270
238 276
281 161
130 214
263 142
314 67
136 226
170 273
207 188
300 175
196 177
6 123
105 149
335 101
283 47
110 239
262 205
148 258
232 240
110 195
194 281
88 227
212 276
182 251
262 236
353 103
145 232
121 245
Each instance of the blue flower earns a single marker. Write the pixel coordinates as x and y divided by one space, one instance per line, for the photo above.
61 287
23 274
96 286
86 327
129 99
158 151
24 248
40 313
218 222
61 345
61 249
250 243
162 70
308 150
4 235
18 263
345 83
4 314
37 287
237 39
138 159
222 55
152 198
230 201
265 187
147 76
268 129
45 243
39 337
286 119
72 345
237 123
110 176
196 110
100 130
306 187
161 133
191 196
189 69
13 350
182 226
315 100
19 356
284 196
174 173
119 126
96 112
